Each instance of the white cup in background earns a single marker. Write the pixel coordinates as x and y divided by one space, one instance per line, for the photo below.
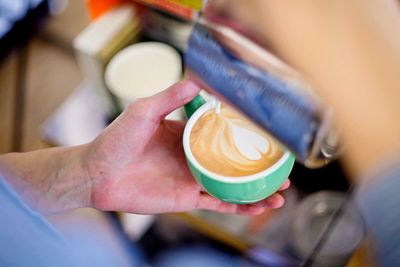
142 70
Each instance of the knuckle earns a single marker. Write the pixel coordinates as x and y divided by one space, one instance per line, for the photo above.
142 106
142 109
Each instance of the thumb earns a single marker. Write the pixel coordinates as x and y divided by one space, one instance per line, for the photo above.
173 97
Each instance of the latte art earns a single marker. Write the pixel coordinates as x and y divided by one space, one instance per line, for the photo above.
228 144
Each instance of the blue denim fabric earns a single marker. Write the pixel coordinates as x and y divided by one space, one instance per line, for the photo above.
28 239
379 202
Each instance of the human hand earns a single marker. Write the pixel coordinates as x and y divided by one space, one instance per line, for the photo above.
138 165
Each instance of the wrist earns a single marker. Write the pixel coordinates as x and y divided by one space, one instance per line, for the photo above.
97 171
50 180
84 184
68 184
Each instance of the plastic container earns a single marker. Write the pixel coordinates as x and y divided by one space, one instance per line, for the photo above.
142 70
332 217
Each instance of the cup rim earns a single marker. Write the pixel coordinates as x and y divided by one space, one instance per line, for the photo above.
215 176
132 51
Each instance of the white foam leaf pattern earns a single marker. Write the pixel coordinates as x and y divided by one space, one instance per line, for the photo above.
250 144
231 145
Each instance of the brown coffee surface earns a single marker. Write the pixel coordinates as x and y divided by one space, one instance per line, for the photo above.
229 144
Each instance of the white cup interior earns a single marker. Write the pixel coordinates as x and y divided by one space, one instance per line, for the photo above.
228 179
142 70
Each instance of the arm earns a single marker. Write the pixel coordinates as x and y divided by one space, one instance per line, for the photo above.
350 50
135 165
51 179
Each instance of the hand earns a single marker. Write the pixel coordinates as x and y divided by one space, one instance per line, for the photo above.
138 165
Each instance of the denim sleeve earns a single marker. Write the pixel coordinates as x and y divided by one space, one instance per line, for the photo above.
379 201
28 239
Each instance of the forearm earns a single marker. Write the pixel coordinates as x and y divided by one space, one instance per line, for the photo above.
50 180
350 50
360 58
378 201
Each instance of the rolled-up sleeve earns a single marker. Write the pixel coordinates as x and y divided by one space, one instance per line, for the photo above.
379 201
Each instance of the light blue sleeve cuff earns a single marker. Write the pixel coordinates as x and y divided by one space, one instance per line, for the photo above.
379 202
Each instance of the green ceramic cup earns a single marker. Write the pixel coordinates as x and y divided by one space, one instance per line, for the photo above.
238 190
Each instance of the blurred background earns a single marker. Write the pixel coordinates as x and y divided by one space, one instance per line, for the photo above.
36 54
55 90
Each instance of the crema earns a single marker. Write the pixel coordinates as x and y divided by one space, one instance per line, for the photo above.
230 145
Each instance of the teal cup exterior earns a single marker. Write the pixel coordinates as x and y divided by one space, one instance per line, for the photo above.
238 190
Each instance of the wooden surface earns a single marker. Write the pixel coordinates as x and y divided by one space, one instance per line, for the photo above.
52 74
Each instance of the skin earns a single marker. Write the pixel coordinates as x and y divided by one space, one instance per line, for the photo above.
350 52
135 165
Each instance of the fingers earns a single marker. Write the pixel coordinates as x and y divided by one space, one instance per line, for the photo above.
176 127
210 203
285 185
274 202
172 98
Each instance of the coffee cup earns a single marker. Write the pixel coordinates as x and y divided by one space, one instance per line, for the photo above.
238 186
141 70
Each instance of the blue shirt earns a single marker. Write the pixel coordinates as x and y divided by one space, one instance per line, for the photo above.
379 201
28 239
